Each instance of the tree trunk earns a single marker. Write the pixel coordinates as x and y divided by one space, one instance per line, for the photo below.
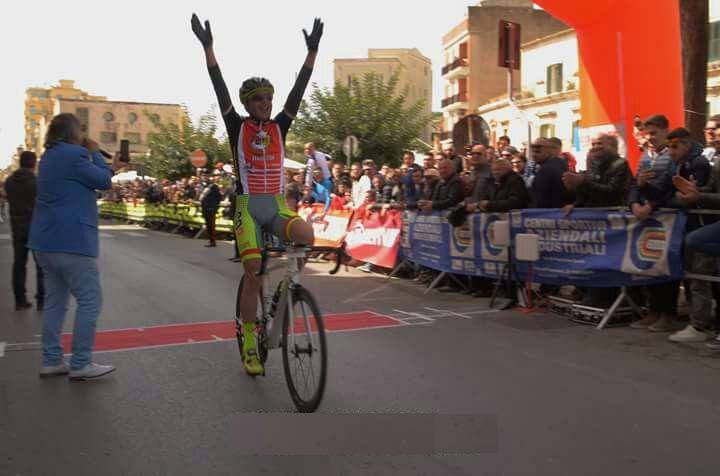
694 36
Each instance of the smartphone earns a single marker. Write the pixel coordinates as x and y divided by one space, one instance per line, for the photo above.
124 151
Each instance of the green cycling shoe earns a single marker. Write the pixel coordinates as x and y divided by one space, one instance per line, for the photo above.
251 359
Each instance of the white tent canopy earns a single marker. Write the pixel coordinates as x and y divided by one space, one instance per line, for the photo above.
293 164
130 176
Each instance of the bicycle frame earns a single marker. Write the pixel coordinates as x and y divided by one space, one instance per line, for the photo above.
289 282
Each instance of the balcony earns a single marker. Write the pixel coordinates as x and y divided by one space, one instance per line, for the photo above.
459 67
458 101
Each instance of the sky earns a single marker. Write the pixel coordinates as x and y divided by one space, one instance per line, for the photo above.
135 50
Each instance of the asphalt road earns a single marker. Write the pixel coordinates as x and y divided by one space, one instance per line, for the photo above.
451 388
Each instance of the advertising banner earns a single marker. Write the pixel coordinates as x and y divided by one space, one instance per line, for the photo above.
330 228
602 248
374 237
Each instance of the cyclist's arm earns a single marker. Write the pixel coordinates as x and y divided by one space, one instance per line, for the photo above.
292 105
230 116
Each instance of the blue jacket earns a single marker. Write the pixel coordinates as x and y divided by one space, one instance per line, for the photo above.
547 189
321 194
660 191
65 218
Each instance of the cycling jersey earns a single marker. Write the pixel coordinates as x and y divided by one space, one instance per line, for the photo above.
260 154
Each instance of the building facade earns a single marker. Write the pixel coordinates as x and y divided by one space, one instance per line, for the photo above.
414 71
470 74
106 122
548 102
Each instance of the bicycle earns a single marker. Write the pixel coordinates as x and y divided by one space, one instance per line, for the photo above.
303 340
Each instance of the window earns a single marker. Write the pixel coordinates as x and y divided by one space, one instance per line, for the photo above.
463 50
108 137
554 81
547 130
109 116
83 116
132 118
154 117
576 135
133 137
714 41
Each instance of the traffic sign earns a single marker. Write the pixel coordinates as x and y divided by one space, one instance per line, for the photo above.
351 147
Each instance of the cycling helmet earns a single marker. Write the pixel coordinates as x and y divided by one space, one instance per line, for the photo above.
253 86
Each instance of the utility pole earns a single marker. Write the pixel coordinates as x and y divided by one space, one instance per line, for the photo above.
694 40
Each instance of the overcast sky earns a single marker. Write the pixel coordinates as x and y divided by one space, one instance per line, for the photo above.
145 50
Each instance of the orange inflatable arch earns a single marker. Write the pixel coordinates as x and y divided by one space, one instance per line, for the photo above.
630 62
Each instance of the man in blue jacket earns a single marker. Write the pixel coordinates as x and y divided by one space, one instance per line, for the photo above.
64 238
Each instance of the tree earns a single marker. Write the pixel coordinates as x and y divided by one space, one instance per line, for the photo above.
370 109
694 33
169 148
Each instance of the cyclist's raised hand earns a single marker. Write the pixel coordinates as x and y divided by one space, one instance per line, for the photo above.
203 34
313 39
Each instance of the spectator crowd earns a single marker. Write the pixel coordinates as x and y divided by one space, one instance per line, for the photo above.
675 171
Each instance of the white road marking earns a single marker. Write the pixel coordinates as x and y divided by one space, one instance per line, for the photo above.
366 293
451 313
2 349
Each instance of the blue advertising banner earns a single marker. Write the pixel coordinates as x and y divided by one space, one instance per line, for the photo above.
600 248
596 248
429 240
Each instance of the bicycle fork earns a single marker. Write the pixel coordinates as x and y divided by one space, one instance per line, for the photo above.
293 280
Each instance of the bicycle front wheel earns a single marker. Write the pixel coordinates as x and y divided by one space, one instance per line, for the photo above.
304 351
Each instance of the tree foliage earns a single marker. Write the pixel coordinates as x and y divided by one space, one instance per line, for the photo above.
170 146
372 110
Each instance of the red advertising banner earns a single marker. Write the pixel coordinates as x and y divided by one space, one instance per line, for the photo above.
329 228
374 237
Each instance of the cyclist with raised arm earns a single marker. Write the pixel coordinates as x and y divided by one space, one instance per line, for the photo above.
258 149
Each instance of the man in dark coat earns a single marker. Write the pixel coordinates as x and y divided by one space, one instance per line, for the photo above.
506 192
606 184
448 192
547 187
210 202
21 191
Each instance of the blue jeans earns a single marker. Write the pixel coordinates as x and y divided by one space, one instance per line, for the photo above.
67 274
705 240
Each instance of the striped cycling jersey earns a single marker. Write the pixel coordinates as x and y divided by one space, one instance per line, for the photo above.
260 153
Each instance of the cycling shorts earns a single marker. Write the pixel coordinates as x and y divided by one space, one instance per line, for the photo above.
255 214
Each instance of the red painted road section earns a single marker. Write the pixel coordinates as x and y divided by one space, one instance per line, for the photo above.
175 334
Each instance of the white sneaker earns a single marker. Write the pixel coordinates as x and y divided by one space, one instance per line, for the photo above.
715 344
689 334
90 371
54 370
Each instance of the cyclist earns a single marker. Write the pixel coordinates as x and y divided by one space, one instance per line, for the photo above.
258 148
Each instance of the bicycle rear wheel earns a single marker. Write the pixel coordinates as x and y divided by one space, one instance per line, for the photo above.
259 323
304 351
